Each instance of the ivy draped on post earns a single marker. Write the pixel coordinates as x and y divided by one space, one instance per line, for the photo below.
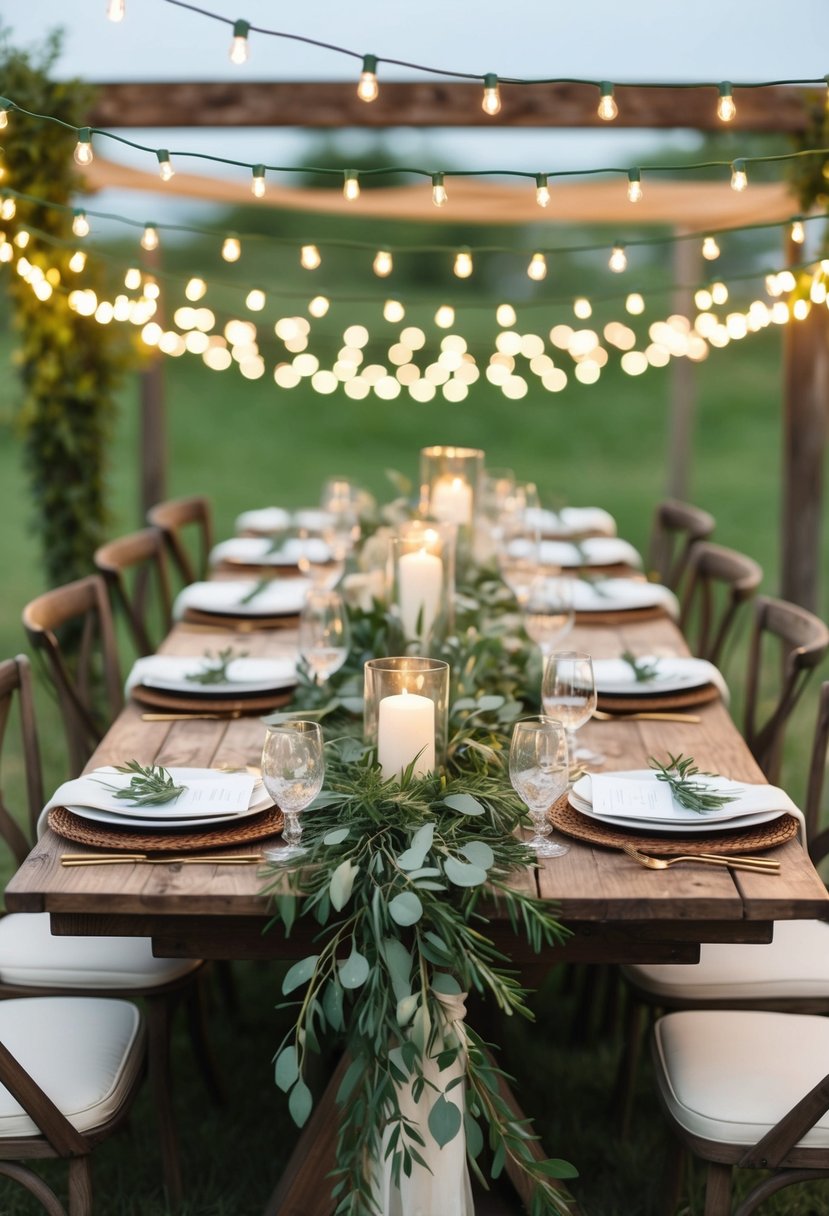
69 365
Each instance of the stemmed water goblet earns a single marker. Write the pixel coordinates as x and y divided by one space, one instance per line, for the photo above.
539 770
293 768
324 636
568 693
548 611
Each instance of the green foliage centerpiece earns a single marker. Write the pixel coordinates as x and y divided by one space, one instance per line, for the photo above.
403 873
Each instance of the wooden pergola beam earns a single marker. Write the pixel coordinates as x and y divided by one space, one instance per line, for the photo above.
426 103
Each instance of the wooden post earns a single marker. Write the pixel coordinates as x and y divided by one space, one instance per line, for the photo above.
153 422
686 260
806 384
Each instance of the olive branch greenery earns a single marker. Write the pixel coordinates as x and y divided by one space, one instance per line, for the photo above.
402 879
149 786
682 774
644 670
214 668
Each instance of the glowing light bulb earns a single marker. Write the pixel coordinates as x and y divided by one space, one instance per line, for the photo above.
798 232
165 165
491 103
726 108
383 264
505 315
445 316
22 238
256 299
351 185
4 114
542 190
319 306
739 177
195 289
239 45
231 249
8 209
394 312
77 261
149 239
463 264
439 195
257 185
80 224
618 259
367 87
608 109
116 10
634 186
719 293
634 304
537 269
83 148
309 257
132 279
710 249
582 308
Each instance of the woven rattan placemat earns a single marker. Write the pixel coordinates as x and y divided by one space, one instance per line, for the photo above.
664 700
620 616
84 831
745 840
253 703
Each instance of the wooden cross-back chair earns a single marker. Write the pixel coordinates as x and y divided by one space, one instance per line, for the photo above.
193 516
33 962
88 1056
71 628
804 640
717 582
676 528
135 570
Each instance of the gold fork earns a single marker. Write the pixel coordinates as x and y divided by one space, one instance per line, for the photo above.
110 859
757 865
645 716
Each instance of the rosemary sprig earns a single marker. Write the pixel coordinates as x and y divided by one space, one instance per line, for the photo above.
214 671
150 786
255 590
680 773
643 670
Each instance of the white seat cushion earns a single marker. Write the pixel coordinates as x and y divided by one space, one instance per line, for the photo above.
729 1075
794 964
84 1053
29 954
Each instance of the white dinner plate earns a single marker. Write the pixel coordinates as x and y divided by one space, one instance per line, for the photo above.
280 597
138 817
673 674
260 551
246 675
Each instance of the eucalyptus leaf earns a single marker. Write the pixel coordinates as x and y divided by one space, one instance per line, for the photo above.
554 1167
444 1121
286 1070
398 960
465 804
474 1135
479 853
462 873
406 908
490 702
332 1003
354 971
300 1103
299 974
342 883
446 984
354 705
421 1029
352 750
337 836
406 1008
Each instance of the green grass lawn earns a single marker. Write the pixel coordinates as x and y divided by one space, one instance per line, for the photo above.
247 444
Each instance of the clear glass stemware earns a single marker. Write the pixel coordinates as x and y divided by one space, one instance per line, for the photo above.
539 770
293 768
548 611
568 693
324 636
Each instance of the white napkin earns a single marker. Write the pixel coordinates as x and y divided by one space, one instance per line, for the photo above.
572 521
673 674
209 792
594 551
621 594
170 672
258 550
280 597
651 801
266 520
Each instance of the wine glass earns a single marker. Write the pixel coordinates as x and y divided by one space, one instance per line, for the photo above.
548 611
293 768
539 770
317 561
568 693
323 633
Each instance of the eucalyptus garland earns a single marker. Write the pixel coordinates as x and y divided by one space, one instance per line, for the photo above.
403 878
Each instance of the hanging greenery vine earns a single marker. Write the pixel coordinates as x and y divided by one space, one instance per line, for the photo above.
69 365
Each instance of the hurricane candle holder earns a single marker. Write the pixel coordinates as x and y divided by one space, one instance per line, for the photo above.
423 581
406 713
450 487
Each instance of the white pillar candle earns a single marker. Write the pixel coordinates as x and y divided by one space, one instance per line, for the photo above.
405 730
452 501
420 583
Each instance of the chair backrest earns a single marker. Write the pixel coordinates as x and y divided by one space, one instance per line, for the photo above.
716 583
804 640
71 627
818 841
135 570
16 677
676 528
183 513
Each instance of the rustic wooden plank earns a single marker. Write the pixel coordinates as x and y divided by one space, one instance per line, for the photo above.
434 103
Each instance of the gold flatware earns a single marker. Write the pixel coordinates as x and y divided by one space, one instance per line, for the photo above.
753 865
767 863
228 715
645 716
109 859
